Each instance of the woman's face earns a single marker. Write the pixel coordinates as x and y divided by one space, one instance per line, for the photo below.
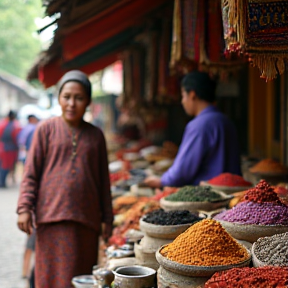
73 101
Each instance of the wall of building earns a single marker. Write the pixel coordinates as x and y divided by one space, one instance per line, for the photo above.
13 98
265 129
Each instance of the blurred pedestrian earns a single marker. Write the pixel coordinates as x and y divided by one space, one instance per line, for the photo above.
25 136
66 184
9 130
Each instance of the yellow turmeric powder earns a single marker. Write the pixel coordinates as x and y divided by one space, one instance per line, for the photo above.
205 243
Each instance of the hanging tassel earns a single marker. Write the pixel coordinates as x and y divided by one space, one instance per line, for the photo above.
270 65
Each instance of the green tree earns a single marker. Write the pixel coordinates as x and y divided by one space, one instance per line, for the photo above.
19 44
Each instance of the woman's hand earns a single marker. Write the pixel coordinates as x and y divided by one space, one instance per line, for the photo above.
25 222
153 181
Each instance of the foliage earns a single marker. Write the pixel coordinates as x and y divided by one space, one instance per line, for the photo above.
19 44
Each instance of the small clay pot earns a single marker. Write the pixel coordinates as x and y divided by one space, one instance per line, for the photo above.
134 277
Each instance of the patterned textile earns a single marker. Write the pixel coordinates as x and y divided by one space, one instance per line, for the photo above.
258 28
64 250
198 37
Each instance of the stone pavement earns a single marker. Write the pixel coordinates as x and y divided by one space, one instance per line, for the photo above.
12 240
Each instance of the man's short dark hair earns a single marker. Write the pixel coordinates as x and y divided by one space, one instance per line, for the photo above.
201 83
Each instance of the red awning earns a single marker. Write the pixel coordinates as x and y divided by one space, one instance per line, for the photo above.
110 24
51 73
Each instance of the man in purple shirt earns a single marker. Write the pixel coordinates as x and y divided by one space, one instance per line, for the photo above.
209 146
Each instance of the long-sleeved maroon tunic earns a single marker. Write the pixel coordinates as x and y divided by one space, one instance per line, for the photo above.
60 187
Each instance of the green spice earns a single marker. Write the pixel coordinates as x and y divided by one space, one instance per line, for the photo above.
194 194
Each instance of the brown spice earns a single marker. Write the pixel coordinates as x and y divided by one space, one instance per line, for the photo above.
205 243
269 166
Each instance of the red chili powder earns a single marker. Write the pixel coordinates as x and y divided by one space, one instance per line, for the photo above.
263 277
228 179
262 192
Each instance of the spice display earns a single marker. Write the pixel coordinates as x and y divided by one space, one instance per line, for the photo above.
256 213
269 166
132 217
272 250
263 277
262 192
230 180
205 243
262 206
194 194
177 217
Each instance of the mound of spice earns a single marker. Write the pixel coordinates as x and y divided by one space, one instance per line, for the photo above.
205 243
230 180
269 166
256 213
261 193
194 194
176 217
263 277
272 250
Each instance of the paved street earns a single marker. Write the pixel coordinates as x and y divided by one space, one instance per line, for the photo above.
12 240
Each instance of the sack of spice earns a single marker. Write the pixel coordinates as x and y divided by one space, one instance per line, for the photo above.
269 166
176 217
194 194
263 277
271 251
229 180
195 199
205 243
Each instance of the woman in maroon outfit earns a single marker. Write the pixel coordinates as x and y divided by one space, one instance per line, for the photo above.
66 186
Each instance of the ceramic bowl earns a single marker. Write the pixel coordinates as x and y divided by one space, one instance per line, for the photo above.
84 281
197 271
134 277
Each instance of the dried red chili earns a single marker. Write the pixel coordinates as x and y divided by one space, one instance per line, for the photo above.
263 277
262 192
228 179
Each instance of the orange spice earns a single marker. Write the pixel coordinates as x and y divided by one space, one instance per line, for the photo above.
269 166
205 243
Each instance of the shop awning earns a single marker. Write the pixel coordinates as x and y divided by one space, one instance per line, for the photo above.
114 43
51 73
95 42
91 61
130 14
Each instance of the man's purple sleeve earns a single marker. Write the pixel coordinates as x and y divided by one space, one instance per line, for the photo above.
187 161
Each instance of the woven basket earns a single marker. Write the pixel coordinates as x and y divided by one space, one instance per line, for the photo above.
196 206
196 271
251 232
162 231
169 279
